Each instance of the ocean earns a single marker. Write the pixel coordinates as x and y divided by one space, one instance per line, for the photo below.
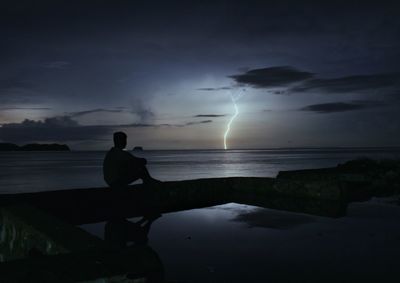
44 171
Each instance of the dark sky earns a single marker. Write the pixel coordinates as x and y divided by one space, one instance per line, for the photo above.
303 73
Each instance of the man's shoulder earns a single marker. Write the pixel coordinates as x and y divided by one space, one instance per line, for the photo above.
119 153
112 151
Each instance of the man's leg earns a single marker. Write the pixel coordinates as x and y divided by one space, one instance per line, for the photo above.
139 171
146 177
135 174
144 174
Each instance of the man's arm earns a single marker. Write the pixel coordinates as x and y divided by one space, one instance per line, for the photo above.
137 160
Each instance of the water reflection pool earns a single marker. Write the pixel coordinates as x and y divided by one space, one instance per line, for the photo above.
242 243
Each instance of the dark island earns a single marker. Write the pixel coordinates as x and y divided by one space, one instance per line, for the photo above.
34 147
138 148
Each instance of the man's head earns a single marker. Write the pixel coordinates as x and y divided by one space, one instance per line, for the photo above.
120 140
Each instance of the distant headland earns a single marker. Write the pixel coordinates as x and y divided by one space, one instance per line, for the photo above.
34 147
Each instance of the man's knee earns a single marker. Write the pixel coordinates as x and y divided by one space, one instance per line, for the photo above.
139 171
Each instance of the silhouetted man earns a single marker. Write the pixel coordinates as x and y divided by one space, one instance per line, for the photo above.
121 168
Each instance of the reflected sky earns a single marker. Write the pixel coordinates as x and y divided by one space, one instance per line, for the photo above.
238 243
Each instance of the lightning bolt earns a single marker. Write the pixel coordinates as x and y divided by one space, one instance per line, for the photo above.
228 127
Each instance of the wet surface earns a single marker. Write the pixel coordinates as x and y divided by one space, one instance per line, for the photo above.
237 243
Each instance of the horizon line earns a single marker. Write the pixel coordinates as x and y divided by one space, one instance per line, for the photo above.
264 148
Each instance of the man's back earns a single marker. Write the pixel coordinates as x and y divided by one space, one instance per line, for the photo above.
115 165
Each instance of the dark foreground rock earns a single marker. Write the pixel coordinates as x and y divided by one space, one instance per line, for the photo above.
38 247
358 179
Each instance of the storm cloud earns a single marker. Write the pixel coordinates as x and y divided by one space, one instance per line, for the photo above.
144 113
91 111
198 122
279 76
25 108
333 107
294 80
355 83
58 129
214 88
209 115
65 128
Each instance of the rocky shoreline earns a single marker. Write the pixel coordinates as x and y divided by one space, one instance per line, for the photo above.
324 192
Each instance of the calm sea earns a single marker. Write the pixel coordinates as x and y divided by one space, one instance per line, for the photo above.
43 171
